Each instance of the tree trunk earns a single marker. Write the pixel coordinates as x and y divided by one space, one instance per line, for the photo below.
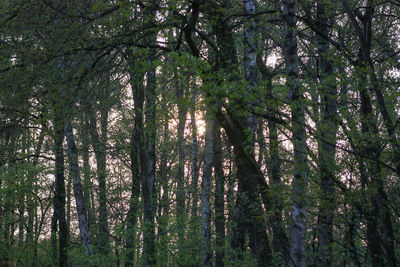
148 167
206 190
327 129
141 158
368 127
165 202
131 217
86 170
193 202
237 241
99 147
180 191
230 196
195 170
32 203
59 195
22 183
219 205
299 184
53 236
136 81
77 186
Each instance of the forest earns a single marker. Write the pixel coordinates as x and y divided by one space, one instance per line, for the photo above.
200 133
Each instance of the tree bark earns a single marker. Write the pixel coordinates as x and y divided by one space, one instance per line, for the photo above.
77 186
237 241
299 183
148 157
195 170
180 191
206 190
32 204
86 170
141 145
148 167
164 206
136 81
219 205
59 195
131 217
99 147
326 149
8 200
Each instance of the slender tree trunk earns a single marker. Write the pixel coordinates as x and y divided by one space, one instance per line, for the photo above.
195 219
68 211
59 195
149 195
238 227
77 186
195 170
230 196
206 190
86 170
141 157
350 238
147 160
180 191
299 184
131 217
280 240
21 199
371 148
146 189
53 237
99 147
136 140
2 210
326 147
7 201
151 128
31 200
219 204
165 202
